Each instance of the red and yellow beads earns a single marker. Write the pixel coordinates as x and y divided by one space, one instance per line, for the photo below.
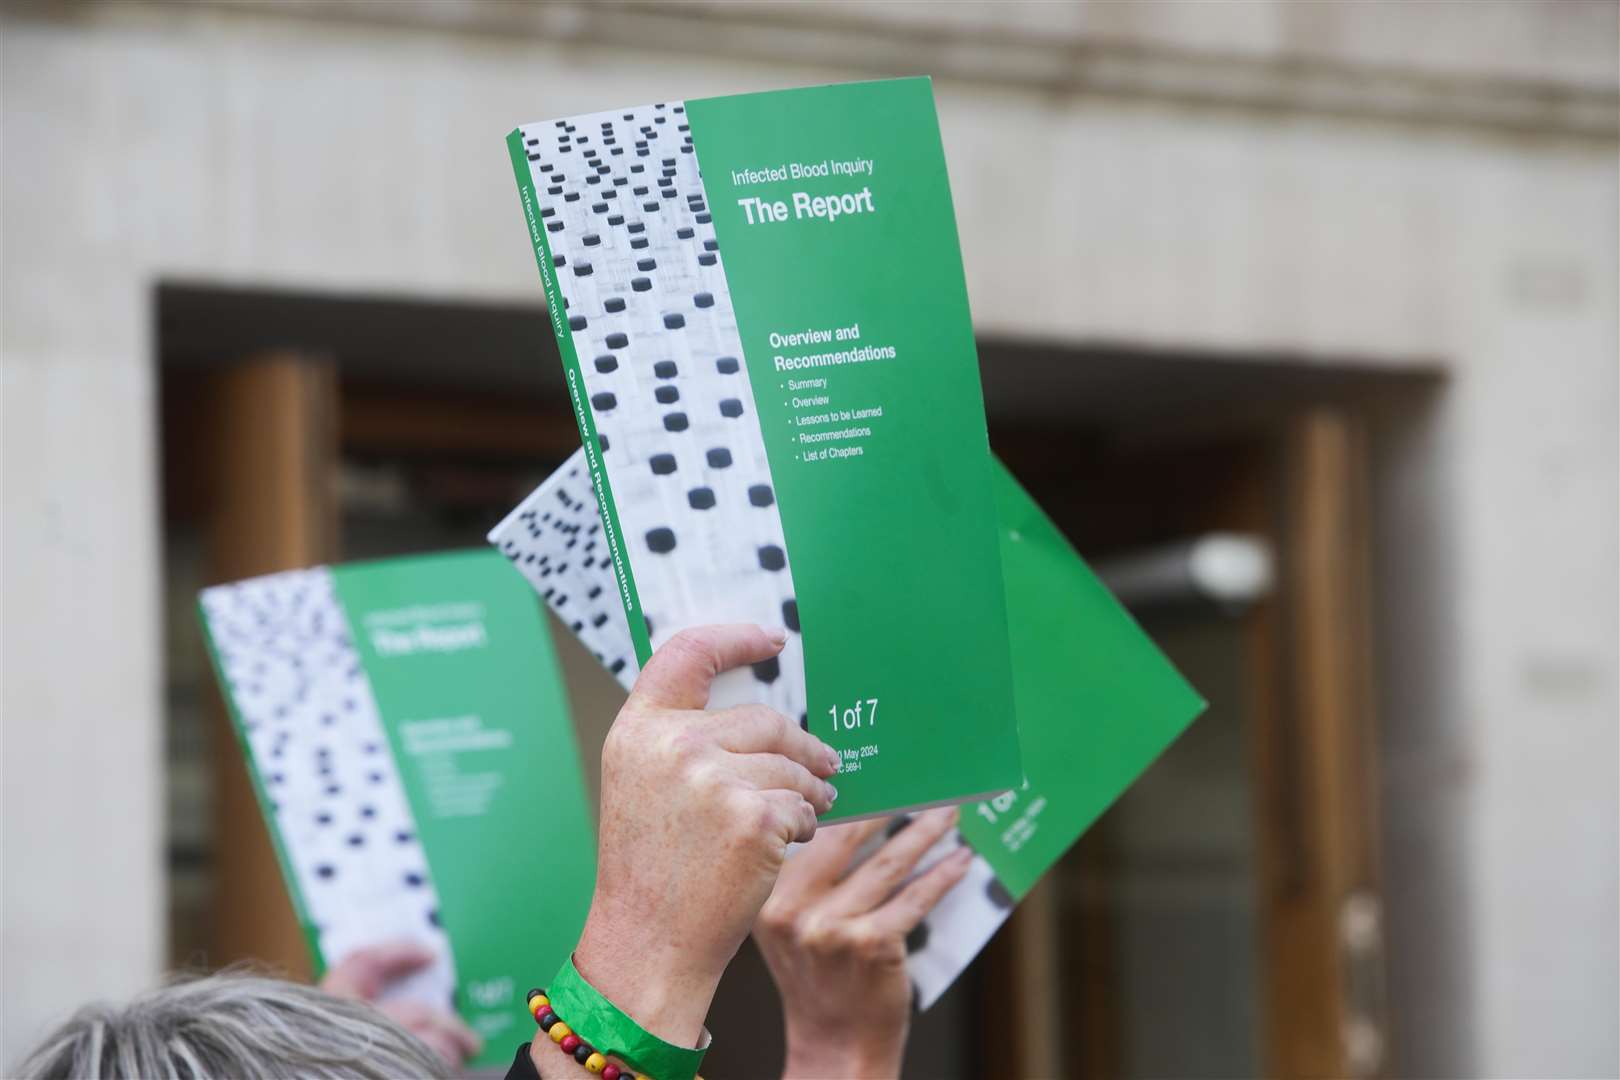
571 1044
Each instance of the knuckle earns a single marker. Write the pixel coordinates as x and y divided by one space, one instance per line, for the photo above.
690 644
804 744
912 904
762 716
699 776
822 936
886 864
866 942
687 746
748 815
776 918
788 731
764 819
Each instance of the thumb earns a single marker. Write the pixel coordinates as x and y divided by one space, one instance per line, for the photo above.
679 674
366 972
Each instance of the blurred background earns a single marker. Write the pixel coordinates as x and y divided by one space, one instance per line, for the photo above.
1336 279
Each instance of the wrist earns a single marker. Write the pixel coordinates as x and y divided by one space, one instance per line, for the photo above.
663 985
550 1061
815 1059
820 1045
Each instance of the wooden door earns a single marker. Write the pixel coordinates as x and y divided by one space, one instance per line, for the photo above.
269 451
1315 766
1060 991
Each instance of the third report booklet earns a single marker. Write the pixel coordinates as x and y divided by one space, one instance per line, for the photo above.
405 725
763 322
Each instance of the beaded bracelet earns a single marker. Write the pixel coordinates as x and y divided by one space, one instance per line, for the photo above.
572 1045
617 1033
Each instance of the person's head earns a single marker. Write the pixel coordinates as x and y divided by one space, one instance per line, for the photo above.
230 1025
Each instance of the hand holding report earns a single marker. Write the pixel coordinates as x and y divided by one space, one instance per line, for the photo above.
835 942
762 316
698 810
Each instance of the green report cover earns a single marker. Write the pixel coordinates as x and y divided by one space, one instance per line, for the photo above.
1097 701
406 727
764 326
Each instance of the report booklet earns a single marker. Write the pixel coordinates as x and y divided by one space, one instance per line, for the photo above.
1096 700
763 321
406 729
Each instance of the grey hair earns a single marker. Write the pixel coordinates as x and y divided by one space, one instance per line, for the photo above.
233 1024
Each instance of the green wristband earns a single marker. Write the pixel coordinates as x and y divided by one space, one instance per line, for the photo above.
601 1023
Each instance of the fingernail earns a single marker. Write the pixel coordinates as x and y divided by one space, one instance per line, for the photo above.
832 793
834 760
777 635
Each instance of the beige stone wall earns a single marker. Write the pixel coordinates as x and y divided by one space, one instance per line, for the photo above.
1390 184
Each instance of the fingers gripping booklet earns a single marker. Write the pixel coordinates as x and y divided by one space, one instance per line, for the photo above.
763 321
1097 701
404 722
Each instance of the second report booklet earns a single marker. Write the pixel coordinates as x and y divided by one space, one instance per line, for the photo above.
764 326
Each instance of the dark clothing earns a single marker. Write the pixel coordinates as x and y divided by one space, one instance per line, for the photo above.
522 1066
